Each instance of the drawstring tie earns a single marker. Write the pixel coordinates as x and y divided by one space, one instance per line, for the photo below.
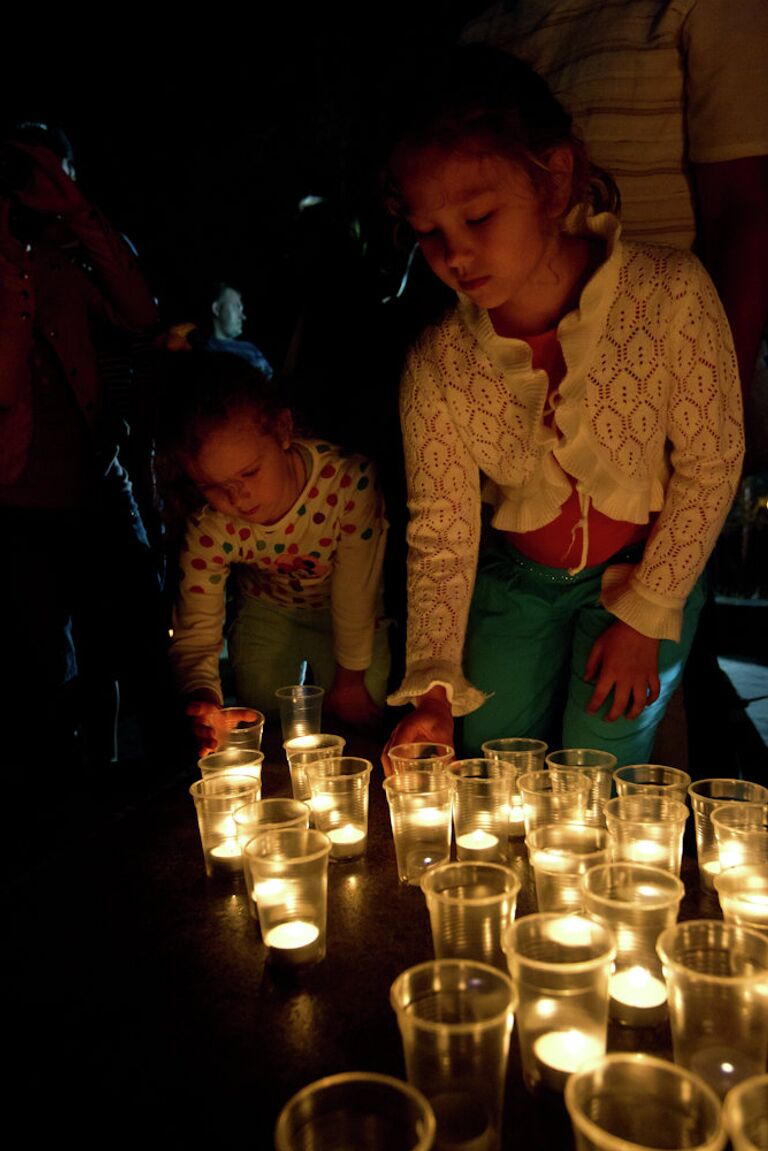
583 524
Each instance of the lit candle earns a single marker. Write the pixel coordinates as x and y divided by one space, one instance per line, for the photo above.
429 817
647 851
227 852
516 819
477 845
346 841
638 997
294 942
269 892
749 908
321 802
561 1052
707 872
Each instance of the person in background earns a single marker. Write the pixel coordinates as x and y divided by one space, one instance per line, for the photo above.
227 317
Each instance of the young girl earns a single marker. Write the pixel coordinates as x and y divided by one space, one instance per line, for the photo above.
301 526
586 390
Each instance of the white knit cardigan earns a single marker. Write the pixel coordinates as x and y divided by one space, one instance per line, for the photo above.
649 420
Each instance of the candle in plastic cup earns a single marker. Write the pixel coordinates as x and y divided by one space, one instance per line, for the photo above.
420 756
306 749
560 965
517 756
301 709
289 871
598 766
470 905
559 855
480 810
745 1114
233 761
717 977
455 1020
652 779
647 829
420 804
637 903
741 833
743 895
553 797
216 798
339 803
706 795
635 1102
264 815
358 1110
241 734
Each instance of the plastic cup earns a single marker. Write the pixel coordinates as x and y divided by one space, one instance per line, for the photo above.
598 766
357 1110
741 833
480 810
652 779
637 903
743 894
421 756
455 1020
745 1114
470 905
339 803
553 797
289 870
420 805
233 761
706 795
717 977
264 815
647 829
560 965
626 1102
559 855
518 756
306 749
217 797
301 709
242 734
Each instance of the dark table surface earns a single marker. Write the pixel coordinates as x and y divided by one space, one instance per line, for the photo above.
138 1003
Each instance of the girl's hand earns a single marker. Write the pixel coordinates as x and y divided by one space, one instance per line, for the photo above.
210 725
430 721
628 665
349 701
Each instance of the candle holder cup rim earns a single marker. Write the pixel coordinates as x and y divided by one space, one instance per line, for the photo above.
653 875
734 1098
440 870
419 783
620 809
221 785
606 955
290 836
603 760
726 931
697 790
340 767
471 1026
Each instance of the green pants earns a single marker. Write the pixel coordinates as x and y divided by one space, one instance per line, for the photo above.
531 629
268 643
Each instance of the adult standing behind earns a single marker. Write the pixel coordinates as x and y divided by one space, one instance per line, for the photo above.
68 519
227 317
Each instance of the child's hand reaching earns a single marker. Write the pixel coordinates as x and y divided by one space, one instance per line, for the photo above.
210 724
628 665
349 701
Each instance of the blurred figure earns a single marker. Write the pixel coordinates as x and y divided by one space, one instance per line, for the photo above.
226 318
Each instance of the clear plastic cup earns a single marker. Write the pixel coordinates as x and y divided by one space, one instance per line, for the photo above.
518 756
359 1110
745 1114
307 749
480 810
598 766
647 829
420 756
706 795
241 734
633 1102
559 855
470 905
743 894
741 833
455 1020
264 815
420 804
637 903
289 870
217 798
560 965
339 803
717 977
301 709
234 761
652 779
553 797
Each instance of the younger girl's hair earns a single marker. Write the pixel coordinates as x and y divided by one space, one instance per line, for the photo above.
485 100
203 390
